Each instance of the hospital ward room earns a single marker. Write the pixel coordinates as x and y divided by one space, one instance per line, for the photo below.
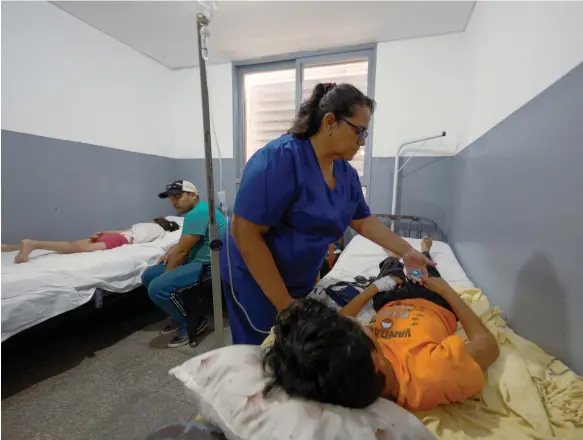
291 220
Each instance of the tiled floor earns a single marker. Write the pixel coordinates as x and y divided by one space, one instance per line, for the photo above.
100 375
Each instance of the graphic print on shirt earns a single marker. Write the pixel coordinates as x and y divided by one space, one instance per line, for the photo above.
396 321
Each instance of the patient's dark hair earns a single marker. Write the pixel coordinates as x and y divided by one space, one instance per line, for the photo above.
166 224
320 355
340 100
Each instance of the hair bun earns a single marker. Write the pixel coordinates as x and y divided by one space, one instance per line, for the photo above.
329 86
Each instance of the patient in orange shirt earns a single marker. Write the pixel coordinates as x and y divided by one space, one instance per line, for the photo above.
407 353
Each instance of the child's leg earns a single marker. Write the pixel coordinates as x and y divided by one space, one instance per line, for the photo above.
62 247
391 266
426 244
10 247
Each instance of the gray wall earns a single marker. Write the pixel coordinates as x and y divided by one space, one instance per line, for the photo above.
517 217
425 183
194 171
61 190
424 190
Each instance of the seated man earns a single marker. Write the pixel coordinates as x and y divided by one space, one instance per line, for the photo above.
408 353
184 262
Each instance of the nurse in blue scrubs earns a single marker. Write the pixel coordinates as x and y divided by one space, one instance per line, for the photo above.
297 195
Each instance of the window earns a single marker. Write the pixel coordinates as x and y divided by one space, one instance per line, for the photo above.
269 106
270 94
355 73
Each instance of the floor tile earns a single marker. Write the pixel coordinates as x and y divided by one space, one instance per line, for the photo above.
84 420
25 433
145 416
49 405
102 376
114 361
152 374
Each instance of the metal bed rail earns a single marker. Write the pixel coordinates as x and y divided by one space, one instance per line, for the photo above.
413 226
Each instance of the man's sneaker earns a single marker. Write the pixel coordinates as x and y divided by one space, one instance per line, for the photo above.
173 327
201 327
181 339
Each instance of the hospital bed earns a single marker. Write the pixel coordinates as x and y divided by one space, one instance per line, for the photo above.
361 257
528 393
51 284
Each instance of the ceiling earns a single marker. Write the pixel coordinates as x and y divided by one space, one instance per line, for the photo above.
243 30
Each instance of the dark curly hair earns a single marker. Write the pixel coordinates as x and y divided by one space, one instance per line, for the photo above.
320 355
340 100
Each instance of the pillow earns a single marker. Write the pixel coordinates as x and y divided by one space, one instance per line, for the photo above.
227 386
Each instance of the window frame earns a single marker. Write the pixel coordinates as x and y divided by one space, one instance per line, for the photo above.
298 61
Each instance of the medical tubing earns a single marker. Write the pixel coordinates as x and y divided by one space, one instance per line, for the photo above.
224 208
218 145
233 289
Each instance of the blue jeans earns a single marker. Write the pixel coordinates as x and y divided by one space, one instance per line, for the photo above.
163 286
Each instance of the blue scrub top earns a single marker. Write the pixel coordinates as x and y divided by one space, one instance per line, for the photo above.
283 187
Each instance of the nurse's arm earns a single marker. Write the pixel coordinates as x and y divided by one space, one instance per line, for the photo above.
377 232
249 239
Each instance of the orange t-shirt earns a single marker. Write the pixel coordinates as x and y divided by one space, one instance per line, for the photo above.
431 364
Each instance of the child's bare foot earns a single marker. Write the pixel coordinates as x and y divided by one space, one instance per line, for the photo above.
426 244
26 247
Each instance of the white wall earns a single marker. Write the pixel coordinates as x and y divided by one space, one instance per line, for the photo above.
187 137
63 79
514 51
419 90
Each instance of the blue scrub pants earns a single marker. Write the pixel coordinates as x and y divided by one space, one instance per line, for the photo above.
163 287
260 310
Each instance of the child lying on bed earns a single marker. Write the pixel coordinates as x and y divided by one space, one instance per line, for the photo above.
138 233
408 352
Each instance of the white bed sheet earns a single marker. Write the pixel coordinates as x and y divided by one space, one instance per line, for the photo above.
362 257
50 284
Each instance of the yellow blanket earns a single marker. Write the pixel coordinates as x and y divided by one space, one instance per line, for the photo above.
528 394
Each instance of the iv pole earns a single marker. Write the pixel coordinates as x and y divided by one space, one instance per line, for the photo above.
215 240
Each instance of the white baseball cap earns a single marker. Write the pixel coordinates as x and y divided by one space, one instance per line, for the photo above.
178 187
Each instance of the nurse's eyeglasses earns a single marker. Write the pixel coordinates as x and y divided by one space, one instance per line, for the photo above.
362 133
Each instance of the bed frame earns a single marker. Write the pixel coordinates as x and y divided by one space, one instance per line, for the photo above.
412 226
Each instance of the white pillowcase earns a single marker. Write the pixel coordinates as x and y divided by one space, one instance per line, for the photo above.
175 218
227 386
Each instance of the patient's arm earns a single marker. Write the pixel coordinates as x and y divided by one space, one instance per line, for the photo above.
483 347
354 307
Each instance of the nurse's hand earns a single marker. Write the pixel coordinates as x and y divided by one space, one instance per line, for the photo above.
414 259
